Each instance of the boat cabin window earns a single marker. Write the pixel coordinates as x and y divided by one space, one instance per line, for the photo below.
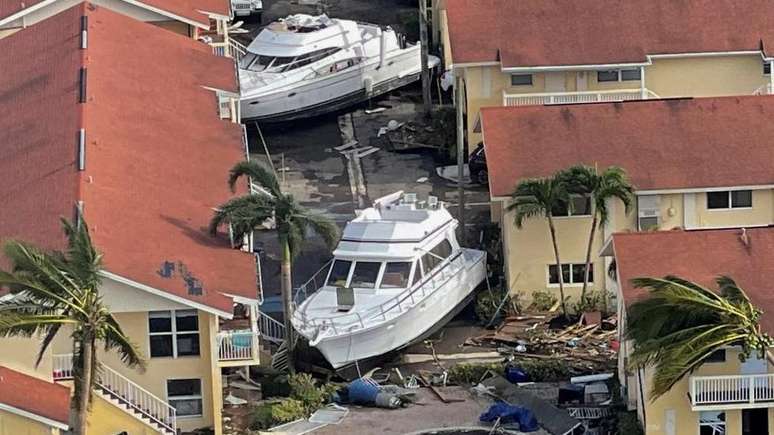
339 273
396 274
436 255
417 273
258 63
365 274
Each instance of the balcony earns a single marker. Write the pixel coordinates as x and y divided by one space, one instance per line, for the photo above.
539 99
238 347
732 392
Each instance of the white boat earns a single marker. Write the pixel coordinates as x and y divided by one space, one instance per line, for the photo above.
397 275
307 65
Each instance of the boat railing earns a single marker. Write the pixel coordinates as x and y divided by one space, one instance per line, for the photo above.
398 304
316 281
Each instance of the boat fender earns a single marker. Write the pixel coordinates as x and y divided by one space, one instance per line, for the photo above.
368 84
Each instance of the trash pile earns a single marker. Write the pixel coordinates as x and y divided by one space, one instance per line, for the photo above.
368 392
589 345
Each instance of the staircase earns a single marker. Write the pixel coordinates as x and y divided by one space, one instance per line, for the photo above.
125 394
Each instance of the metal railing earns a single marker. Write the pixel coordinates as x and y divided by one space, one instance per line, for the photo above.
734 389
766 89
538 99
346 323
118 387
315 283
271 329
237 345
229 48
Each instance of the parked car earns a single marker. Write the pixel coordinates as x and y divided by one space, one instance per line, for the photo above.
246 8
477 165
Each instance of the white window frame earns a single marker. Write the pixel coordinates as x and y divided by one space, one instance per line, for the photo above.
619 74
730 200
569 214
570 283
200 397
725 423
174 333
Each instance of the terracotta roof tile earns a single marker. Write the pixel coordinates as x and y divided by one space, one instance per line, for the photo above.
662 144
701 256
157 153
569 32
34 395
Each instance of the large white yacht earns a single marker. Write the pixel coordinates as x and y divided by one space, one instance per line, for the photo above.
397 274
305 65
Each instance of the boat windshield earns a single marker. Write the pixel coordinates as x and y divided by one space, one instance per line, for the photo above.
396 274
365 274
277 64
339 273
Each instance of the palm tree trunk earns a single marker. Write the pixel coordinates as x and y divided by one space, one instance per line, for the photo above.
287 299
588 257
558 264
81 403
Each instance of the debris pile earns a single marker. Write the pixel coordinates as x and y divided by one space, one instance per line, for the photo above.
587 346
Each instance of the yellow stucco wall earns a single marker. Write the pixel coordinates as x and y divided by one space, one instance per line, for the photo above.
159 370
706 76
528 251
107 419
20 353
12 424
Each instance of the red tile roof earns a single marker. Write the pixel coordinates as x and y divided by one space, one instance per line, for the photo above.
662 144
193 10
157 153
34 395
570 32
701 256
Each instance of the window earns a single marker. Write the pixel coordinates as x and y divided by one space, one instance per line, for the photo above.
396 274
185 395
571 273
436 255
630 74
712 423
766 67
173 333
581 206
607 76
339 273
732 199
521 79
716 357
365 274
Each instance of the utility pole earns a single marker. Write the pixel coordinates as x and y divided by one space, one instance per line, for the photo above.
426 99
459 95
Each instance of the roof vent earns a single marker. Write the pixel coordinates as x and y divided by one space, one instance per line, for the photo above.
81 149
84 32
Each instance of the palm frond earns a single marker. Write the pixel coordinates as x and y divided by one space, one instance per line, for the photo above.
116 340
243 213
258 173
322 226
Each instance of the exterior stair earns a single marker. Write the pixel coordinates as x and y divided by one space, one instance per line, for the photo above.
126 395
279 360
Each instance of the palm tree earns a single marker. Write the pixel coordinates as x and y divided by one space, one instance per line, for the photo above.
612 183
538 198
682 323
55 289
245 213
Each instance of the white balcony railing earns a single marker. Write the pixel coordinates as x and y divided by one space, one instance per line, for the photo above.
766 89
129 394
539 99
237 345
736 391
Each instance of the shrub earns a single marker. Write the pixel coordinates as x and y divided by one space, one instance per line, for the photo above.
543 300
629 424
262 417
288 410
487 303
471 373
304 389
596 300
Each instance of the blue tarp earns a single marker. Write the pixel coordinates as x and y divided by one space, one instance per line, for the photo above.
511 414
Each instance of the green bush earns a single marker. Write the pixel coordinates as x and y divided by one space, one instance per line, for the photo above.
288 410
471 373
262 417
595 300
543 300
487 303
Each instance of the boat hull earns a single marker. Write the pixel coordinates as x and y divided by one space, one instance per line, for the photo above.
334 93
411 326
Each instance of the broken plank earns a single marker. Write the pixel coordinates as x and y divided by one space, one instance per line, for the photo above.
443 398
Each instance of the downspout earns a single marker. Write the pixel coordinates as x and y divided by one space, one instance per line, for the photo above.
643 89
771 77
642 398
